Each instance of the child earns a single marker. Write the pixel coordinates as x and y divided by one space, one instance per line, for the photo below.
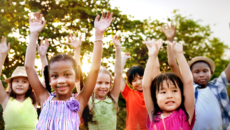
169 101
63 111
103 102
211 98
212 103
135 105
19 106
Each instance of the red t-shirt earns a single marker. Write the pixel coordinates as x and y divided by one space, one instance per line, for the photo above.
136 109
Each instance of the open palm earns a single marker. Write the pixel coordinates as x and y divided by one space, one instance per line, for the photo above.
176 47
73 42
104 23
4 48
153 46
36 24
169 32
42 49
117 41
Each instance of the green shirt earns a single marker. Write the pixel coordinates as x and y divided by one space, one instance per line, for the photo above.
104 114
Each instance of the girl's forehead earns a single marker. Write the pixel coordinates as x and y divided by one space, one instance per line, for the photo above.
166 84
61 65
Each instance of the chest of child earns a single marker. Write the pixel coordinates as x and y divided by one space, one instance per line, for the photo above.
20 115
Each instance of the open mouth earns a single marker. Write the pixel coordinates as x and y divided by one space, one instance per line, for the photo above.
170 102
62 88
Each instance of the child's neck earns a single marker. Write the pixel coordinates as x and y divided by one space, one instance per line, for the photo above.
62 97
166 113
100 98
20 98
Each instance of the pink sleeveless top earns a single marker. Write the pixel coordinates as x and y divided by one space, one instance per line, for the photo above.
175 121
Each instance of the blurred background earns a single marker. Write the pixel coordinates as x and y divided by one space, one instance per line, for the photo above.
202 25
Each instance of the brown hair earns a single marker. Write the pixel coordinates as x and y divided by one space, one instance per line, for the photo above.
29 92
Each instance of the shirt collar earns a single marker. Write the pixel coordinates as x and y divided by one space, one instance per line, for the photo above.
107 100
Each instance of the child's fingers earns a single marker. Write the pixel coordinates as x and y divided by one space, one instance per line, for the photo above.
97 18
168 26
80 38
103 15
8 46
108 15
46 42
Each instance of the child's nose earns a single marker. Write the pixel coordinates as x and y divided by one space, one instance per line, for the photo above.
61 80
169 95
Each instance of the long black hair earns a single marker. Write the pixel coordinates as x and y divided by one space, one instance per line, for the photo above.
157 85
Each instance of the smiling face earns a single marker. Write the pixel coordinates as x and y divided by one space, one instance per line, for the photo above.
102 86
20 85
168 97
137 83
62 77
201 73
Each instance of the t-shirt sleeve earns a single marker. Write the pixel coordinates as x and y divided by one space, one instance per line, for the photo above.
221 80
127 89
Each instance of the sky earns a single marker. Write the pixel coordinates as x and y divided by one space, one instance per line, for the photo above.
215 13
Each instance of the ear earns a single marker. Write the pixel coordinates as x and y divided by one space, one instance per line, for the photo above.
77 80
211 73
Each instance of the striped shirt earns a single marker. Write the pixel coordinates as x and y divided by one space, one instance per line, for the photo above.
55 115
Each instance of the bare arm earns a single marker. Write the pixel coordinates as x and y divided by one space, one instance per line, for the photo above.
227 72
123 61
148 74
118 73
42 50
100 27
170 33
4 48
36 27
186 78
156 70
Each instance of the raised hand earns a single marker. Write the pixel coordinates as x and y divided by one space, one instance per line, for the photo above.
117 41
176 47
37 24
73 42
126 56
153 46
4 48
104 23
42 49
170 32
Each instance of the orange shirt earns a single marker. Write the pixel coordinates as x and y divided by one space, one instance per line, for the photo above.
136 109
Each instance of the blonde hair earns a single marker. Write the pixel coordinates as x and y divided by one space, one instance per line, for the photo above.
105 71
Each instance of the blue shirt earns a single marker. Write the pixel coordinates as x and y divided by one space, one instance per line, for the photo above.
218 87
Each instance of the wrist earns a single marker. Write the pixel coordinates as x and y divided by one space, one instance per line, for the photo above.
170 39
34 34
98 35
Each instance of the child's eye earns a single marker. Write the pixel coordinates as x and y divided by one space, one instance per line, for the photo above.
107 83
174 90
24 81
162 92
67 75
54 76
99 82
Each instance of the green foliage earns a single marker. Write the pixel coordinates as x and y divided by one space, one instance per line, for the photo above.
77 16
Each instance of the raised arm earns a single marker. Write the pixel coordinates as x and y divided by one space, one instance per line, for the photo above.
42 50
227 72
124 58
100 27
153 48
76 45
4 48
186 78
36 25
118 73
170 33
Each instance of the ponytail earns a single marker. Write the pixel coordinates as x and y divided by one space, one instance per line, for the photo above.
46 76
